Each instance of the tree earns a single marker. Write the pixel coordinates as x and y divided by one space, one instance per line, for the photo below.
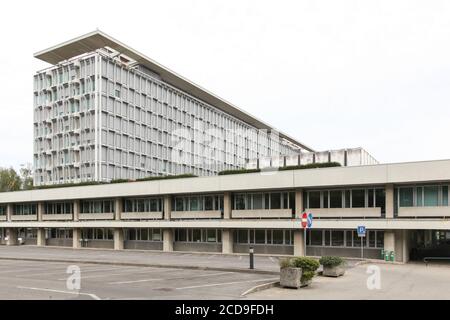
26 175
9 180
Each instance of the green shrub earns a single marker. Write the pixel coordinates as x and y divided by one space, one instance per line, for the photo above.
187 175
120 181
67 185
312 166
238 171
329 261
308 265
285 263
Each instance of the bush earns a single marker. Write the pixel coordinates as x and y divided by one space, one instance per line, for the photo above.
308 265
329 261
285 263
238 171
187 175
312 166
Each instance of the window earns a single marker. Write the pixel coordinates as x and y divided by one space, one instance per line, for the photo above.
380 199
316 237
335 199
445 195
239 202
314 199
406 197
358 198
337 238
258 201
277 236
275 201
260 236
431 196
242 236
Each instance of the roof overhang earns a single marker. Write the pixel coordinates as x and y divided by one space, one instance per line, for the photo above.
98 39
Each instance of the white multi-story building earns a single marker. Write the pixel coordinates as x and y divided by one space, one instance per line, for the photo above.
103 111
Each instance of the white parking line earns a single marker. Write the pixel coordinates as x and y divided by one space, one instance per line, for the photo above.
165 279
119 274
224 283
83 271
93 296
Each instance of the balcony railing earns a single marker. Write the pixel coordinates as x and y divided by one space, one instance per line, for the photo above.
141 215
442 211
345 212
262 213
213 214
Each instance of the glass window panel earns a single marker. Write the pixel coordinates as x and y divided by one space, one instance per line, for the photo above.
144 234
325 199
275 201
336 199
419 196
337 238
431 196
314 199
380 199
406 197
260 236
209 203
243 236
380 239
358 198
156 235
370 198
258 201
196 235
371 235
212 235
277 237
348 238
445 195
316 237
240 202
327 238
347 198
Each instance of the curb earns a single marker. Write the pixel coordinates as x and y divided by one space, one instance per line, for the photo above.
261 287
133 264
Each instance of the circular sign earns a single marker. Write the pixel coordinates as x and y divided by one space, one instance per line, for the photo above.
304 220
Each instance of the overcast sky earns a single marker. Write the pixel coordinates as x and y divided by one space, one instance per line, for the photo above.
333 74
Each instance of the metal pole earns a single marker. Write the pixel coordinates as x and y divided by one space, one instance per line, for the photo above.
362 248
304 241
252 266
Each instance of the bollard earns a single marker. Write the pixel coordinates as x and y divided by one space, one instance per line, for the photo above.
251 250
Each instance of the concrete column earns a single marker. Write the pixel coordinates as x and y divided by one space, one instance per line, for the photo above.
76 210
118 206
118 239
11 233
40 211
299 243
41 241
9 211
167 207
298 203
389 201
227 241
389 240
401 246
168 240
227 205
76 236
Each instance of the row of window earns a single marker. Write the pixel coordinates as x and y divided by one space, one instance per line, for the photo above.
258 236
143 234
97 206
25 209
197 203
344 238
97 234
3 210
270 200
143 205
422 196
58 208
198 235
350 198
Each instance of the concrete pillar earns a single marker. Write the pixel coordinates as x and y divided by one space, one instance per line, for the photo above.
11 233
9 211
168 240
401 246
227 241
227 205
389 201
118 239
167 207
41 241
40 211
299 203
76 210
118 206
299 243
389 240
76 237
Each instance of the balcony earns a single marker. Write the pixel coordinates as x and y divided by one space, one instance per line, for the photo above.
96 216
345 212
196 214
3 218
442 211
141 215
262 213
24 217
57 217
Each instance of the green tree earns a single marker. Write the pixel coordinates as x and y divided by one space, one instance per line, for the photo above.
9 180
26 175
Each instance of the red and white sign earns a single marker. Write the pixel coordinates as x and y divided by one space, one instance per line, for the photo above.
304 220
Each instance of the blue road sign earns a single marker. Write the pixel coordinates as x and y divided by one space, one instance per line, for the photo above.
361 231
310 220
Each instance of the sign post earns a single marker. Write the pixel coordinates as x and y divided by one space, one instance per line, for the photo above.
361 233
306 224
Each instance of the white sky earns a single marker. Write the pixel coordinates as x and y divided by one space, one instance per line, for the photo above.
332 74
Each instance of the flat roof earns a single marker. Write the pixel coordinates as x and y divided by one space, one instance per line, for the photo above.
98 39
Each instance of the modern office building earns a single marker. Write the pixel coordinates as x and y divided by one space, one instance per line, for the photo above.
103 111
404 207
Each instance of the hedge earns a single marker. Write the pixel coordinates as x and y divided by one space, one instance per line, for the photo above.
238 171
311 166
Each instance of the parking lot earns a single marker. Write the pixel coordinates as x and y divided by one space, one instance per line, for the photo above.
48 280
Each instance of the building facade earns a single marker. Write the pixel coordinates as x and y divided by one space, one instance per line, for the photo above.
103 111
404 207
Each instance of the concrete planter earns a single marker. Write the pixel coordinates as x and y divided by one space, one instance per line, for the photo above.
290 277
333 271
